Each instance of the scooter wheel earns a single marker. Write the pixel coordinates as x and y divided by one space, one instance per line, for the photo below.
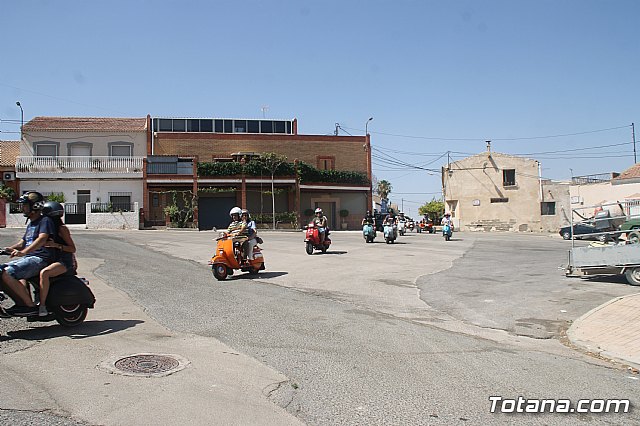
309 248
70 315
220 271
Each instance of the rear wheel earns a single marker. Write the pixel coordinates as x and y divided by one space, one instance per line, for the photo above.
309 248
220 271
633 276
324 248
633 237
70 315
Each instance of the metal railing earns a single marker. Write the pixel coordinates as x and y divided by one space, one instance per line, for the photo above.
111 207
74 164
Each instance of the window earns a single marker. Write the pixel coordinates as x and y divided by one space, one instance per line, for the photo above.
165 125
206 125
228 126
266 126
79 149
193 125
120 201
240 126
548 208
499 200
326 163
509 177
254 126
120 150
279 127
179 126
46 150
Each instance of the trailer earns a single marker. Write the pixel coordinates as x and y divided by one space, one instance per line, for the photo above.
619 255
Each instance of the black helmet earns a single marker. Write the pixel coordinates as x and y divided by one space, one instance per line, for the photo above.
53 209
35 200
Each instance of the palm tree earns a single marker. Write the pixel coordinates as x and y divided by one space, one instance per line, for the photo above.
383 189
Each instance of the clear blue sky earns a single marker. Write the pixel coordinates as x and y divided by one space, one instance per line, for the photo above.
436 76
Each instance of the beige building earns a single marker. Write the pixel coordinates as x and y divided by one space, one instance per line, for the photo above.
499 192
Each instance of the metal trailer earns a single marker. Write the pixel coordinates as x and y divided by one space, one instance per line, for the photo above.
615 257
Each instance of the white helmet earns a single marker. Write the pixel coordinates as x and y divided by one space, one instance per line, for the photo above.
318 210
235 210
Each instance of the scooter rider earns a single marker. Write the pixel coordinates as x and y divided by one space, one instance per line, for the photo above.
31 255
369 219
320 220
446 220
245 216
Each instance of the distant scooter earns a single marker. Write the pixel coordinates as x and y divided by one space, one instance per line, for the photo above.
390 232
447 231
68 300
401 227
368 232
312 239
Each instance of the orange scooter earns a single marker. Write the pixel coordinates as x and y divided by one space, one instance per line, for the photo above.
229 256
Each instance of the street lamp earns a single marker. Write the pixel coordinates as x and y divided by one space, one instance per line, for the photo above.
366 126
21 118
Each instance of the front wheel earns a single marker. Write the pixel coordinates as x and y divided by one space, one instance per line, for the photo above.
447 237
566 235
309 248
220 271
70 315
633 276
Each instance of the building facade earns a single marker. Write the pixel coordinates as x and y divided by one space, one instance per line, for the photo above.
184 152
494 191
88 160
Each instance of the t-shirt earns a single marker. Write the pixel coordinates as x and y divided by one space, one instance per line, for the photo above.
42 225
235 226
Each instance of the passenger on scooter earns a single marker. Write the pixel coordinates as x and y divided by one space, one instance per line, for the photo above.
252 233
64 247
33 256
237 228
320 221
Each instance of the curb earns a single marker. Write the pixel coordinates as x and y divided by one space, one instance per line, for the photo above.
592 346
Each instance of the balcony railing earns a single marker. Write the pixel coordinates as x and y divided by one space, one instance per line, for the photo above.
77 164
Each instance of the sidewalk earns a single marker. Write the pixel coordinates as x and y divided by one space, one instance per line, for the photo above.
69 372
611 330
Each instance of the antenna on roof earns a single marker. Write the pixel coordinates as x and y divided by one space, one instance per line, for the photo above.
264 109
337 127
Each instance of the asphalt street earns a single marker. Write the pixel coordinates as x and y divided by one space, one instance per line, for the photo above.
419 332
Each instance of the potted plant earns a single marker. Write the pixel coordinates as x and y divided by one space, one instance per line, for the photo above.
344 213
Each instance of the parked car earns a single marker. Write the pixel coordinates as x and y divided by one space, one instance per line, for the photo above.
584 231
631 224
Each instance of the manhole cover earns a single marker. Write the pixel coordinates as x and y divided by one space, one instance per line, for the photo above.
145 365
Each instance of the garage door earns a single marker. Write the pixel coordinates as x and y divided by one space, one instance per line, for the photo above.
213 212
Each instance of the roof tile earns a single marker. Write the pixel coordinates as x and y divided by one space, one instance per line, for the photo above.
9 151
86 124
630 173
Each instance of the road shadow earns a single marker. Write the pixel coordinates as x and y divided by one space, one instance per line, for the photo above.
82 331
612 279
333 252
261 275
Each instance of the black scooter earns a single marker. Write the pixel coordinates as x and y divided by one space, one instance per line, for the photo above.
68 300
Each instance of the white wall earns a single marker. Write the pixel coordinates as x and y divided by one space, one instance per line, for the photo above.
99 188
125 220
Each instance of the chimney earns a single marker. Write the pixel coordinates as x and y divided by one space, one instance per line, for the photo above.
488 147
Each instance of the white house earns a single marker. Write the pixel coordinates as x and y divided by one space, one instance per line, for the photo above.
89 160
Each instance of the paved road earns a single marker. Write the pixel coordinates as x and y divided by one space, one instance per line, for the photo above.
363 340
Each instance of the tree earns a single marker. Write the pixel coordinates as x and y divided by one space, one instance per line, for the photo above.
383 188
434 209
7 193
271 161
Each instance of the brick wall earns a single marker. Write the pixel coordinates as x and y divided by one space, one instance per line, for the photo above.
348 151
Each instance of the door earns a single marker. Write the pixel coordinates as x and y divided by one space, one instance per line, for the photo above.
213 212
76 213
329 209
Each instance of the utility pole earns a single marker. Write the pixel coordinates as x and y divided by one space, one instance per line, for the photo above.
402 204
337 127
633 135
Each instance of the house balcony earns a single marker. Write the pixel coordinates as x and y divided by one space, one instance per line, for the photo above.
77 167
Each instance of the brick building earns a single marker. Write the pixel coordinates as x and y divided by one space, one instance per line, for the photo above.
177 147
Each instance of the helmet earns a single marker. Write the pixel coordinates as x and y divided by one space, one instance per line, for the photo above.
245 211
318 210
33 199
235 210
368 212
447 214
53 209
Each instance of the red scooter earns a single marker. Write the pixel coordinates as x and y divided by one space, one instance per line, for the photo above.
312 239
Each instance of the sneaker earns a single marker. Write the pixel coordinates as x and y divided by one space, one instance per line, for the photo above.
23 311
42 311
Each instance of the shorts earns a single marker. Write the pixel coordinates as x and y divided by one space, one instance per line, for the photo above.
25 267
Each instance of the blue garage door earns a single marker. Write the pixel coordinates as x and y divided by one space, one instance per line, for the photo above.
213 212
